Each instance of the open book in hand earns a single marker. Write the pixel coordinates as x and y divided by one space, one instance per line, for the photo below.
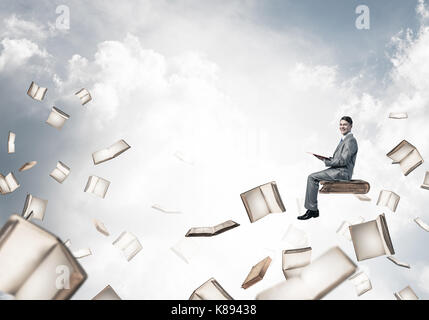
318 156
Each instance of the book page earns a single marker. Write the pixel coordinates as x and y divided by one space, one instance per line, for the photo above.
393 201
81 253
411 161
383 198
422 224
398 263
210 290
185 249
398 115
270 198
57 118
12 182
257 207
101 156
367 240
129 244
294 260
11 142
224 225
361 282
107 294
384 232
426 181
200 231
400 151
406 294
34 206
119 147
100 227
97 186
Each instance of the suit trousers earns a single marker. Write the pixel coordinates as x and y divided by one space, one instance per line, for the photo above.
330 174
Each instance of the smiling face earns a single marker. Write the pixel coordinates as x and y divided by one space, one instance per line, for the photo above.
345 127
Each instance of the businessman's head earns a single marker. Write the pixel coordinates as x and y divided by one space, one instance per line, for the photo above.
346 124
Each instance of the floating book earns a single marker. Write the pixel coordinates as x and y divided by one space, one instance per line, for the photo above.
8 184
425 184
11 142
406 294
210 290
371 239
107 294
100 227
185 249
398 115
362 197
57 118
128 244
388 199
27 166
294 261
344 229
162 209
35 265
352 186
61 172
36 92
34 208
361 282
317 279
97 186
211 231
421 224
399 263
82 253
297 238
84 96
406 155
111 152
262 200
257 273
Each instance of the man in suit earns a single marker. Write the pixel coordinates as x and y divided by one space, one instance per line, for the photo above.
340 165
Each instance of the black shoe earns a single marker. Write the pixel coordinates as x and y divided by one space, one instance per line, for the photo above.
309 214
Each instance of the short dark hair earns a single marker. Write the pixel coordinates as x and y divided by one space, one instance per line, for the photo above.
348 119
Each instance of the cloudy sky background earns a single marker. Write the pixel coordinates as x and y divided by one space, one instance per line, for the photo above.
242 89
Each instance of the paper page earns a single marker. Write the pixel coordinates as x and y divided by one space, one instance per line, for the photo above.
270 199
82 253
256 204
411 161
367 240
100 227
12 182
57 118
398 263
402 150
398 115
129 244
294 261
11 142
406 294
34 206
361 282
27 166
422 224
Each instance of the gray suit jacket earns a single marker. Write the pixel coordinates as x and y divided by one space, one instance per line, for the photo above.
344 156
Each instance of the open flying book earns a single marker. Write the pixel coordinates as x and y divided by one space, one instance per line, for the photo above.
11 142
361 282
398 115
294 261
97 186
211 231
82 253
36 92
406 155
257 273
316 280
107 294
34 208
371 239
425 184
84 96
57 118
27 166
422 224
399 263
129 244
406 294
61 172
318 155
262 200
111 152
35 264
210 290
388 199
8 184
100 227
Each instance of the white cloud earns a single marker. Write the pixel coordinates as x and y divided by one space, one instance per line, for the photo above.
17 52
